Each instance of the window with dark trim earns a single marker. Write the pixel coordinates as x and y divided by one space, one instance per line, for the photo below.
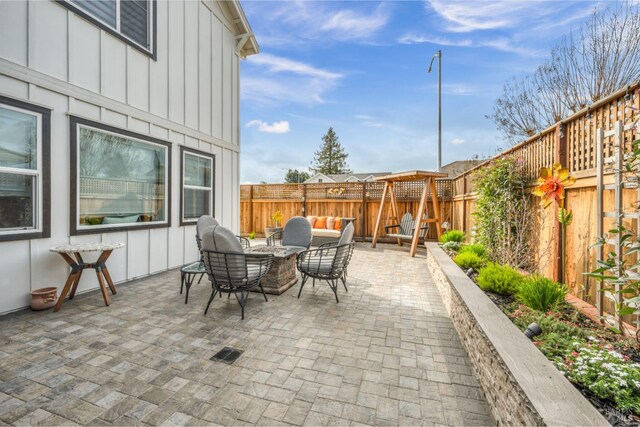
119 179
133 21
25 139
196 185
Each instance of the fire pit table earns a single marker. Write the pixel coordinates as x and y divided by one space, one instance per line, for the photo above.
282 275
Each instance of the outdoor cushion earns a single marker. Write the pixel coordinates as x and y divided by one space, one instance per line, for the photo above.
204 223
312 220
120 219
338 224
330 222
321 222
323 232
315 265
297 232
347 235
221 239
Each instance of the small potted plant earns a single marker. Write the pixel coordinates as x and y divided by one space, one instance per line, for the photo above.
276 217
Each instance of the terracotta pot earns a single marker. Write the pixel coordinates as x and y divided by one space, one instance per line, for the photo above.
43 298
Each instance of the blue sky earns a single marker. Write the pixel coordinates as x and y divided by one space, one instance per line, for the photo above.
361 67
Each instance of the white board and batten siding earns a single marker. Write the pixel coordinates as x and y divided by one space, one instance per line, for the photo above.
189 96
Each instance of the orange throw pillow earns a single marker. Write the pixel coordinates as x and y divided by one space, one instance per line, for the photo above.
321 222
338 224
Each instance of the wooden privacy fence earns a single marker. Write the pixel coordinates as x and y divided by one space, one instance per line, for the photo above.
359 200
574 143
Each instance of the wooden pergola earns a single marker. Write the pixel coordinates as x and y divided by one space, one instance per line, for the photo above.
429 179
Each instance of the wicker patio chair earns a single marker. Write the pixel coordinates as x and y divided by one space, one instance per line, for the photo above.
296 233
345 237
328 263
244 242
189 271
230 270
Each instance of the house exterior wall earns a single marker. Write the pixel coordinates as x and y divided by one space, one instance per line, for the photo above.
188 96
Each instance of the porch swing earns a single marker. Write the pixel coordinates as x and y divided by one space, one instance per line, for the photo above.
409 228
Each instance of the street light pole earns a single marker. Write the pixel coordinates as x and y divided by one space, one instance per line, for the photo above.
439 56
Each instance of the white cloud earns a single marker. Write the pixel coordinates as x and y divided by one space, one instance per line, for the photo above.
457 141
420 39
348 24
275 127
466 16
277 64
502 44
299 23
275 80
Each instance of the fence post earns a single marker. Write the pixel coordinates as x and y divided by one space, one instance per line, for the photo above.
464 204
560 157
251 209
304 200
363 212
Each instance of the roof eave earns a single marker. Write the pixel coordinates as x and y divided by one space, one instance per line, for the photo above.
247 44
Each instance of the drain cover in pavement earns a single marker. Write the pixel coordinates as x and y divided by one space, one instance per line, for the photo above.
227 355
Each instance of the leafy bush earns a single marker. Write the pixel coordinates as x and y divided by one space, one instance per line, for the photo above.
469 260
252 235
452 236
500 279
451 247
504 213
475 248
608 375
540 293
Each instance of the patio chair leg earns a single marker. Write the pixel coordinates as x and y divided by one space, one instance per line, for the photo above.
304 280
200 279
263 293
333 284
344 282
313 284
181 282
242 300
213 294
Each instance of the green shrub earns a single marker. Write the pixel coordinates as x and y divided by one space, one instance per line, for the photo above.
452 236
451 247
252 235
608 375
470 260
540 293
558 339
500 279
475 248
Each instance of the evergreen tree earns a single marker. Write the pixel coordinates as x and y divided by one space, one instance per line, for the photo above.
295 176
331 158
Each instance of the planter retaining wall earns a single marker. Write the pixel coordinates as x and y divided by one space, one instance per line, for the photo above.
521 385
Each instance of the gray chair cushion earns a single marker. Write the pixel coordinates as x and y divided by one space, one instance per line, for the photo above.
205 222
317 265
220 239
297 232
347 235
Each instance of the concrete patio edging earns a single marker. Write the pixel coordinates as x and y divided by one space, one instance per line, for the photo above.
521 385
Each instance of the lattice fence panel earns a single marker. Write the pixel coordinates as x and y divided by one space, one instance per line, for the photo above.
278 191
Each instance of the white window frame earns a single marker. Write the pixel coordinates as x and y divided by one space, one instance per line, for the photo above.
81 228
150 23
210 158
38 192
